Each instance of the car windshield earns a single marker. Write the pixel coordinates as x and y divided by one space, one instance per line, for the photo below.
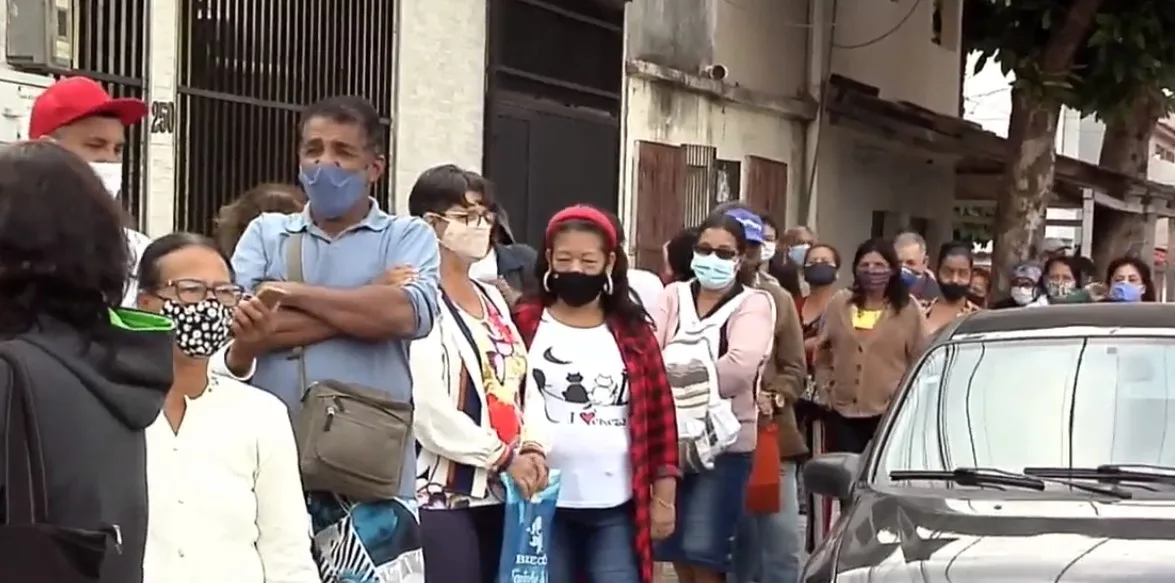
1013 404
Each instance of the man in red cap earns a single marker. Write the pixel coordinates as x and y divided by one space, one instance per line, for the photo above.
79 114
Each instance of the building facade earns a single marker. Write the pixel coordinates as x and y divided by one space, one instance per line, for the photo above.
746 78
694 102
421 62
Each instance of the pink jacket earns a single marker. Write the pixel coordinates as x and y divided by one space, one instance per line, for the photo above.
748 337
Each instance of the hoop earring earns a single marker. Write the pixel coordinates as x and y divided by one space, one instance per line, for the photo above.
608 285
547 281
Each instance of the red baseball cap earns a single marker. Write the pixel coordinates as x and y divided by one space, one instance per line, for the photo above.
75 98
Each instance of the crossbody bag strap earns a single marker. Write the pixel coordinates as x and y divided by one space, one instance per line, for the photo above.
26 497
294 274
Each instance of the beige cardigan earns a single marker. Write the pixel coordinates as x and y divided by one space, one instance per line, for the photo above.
857 375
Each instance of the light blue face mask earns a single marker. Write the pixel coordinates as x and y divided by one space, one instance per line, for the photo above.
331 190
713 272
797 253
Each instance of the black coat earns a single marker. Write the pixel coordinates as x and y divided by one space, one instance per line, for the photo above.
93 400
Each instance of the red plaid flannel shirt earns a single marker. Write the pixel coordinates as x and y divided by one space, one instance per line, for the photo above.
652 420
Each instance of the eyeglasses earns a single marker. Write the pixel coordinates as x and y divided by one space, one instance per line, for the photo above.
471 218
720 252
191 291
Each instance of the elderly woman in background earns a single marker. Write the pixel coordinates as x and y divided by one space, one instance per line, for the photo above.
233 217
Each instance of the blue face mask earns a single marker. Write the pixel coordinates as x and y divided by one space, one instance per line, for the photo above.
713 272
797 253
909 277
1124 291
332 191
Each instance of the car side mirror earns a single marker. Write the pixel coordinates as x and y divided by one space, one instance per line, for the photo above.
832 475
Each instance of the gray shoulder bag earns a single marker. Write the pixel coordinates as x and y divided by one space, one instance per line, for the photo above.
352 439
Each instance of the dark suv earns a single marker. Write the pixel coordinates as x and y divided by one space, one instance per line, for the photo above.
1034 444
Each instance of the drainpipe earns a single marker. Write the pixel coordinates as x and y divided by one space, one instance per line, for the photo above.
821 32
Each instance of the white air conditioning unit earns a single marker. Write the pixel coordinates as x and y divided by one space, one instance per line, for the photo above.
40 34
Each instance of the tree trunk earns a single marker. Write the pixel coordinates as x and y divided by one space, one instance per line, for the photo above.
1027 184
1125 149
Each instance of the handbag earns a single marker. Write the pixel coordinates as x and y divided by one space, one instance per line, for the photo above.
763 485
31 549
351 438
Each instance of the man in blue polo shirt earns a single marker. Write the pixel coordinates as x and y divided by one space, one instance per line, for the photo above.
353 313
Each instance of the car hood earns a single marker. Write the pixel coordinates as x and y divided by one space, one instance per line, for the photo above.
912 535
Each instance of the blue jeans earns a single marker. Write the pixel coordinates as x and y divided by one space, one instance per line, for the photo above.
709 505
593 545
767 546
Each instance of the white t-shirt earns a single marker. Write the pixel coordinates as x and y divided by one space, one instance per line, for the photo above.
647 287
585 394
137 243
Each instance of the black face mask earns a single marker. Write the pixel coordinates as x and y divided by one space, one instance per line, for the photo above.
576 288
954 292
978 300
819 274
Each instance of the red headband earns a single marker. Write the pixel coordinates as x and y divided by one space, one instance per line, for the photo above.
581 212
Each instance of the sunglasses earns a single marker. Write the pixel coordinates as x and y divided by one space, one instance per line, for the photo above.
720 252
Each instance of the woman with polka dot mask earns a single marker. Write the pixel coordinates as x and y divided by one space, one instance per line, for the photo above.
224 493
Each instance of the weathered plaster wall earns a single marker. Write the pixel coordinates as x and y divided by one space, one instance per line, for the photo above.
861 174
672 33
658 112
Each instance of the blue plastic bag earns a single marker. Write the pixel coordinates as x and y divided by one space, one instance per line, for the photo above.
527 534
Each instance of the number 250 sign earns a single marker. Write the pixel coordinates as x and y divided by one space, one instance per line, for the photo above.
163 117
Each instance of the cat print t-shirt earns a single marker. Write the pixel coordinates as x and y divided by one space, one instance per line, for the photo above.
585 391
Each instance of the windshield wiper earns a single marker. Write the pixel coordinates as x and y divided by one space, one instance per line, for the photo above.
972 477
1135 474
968 476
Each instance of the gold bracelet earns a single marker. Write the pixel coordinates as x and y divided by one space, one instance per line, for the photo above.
662 502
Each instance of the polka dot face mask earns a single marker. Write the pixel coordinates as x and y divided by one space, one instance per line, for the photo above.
200 328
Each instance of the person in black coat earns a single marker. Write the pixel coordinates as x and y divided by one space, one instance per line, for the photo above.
97 375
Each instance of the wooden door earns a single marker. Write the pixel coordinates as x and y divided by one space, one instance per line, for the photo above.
659 210
767 188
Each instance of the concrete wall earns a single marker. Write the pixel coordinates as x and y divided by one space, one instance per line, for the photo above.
659 113
764 62
860 174
903 62
776 50
674 33
441 89
763 43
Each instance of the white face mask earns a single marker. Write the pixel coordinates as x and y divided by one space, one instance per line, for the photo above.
110 173
1023 295
768 251
471 242
485 269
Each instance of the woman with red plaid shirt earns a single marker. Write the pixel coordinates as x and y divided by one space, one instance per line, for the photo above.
613 432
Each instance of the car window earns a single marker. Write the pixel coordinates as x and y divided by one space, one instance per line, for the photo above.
1013 404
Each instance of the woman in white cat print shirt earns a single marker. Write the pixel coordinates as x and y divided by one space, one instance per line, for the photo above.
595 361
224 493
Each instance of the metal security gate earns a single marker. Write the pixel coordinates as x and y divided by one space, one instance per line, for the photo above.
552 116
112 49
248 67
